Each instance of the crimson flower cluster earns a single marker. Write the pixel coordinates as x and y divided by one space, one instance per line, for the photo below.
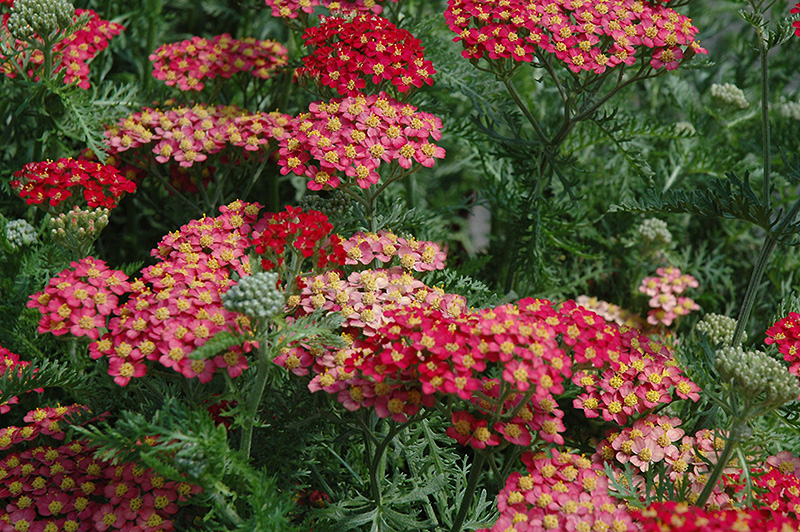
10 362
46 487
665 301
671 516
79 300
587 35
353 136
290 9
73 54
53 182
796 24
385 246
561 491
190 134
785 333
780 486
309 233
187 63
347 51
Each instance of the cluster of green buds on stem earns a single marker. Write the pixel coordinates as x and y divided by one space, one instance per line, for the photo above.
338 205
78 229
42 18
654 231
718 329
20 233
756 375
258 296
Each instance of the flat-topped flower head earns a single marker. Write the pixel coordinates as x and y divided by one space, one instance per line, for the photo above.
188 63
291 9
348 51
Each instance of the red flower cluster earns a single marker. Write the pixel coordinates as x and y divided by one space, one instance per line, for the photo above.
307 232
79 301
187 63
54 181
190 134
10 362
354 135
587 35
796 24
673 516
786 334
64 488
561 491
71 55
385 246
345 52
292 8
175 307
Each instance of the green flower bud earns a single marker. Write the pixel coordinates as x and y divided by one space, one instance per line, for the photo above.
718 329
78 229
257 295
755 373
20 233
39 17
654 231
729 95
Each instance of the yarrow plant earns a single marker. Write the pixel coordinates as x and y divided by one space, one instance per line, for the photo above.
665 301
292 9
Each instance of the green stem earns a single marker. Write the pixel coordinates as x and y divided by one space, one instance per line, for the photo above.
765 130
377 459
734 437
752 289
255 400
472 483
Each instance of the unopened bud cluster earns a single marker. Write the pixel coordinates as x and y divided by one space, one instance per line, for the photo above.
789 109
729 94
39 17
654 231
718 329
338 205
78 228
20 233
256 295
756 373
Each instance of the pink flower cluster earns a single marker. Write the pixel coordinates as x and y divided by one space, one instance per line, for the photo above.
63 487
55 181
648 378
73 54
785 333
175 306
187 63
346 51
354 135
79 301
290 9
656 440
561 491
190 134
671 516
663 290
385 246
587 35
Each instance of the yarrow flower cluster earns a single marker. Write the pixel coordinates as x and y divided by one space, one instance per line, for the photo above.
187 63
72 54
671 516
291 9
63 487
780 486
610 312
176 306
755 373
353 136
385 246
657 441
188 135
20 233
347 51
78 300
785 333
664 292
654 231
561 491
796 24
55 184
306 232
256 295
718 329
590 36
